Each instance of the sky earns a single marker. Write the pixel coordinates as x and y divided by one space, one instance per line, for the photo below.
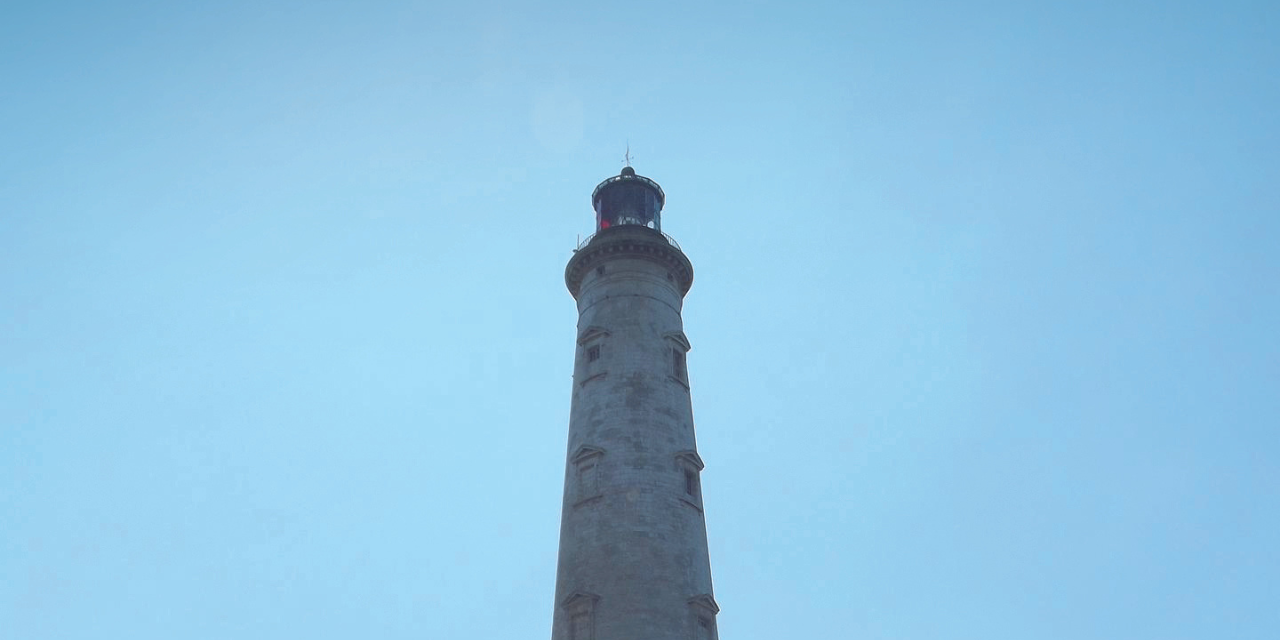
984 318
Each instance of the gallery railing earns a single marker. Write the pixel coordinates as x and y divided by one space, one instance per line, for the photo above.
587 240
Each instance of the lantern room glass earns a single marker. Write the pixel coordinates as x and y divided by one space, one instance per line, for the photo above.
628 200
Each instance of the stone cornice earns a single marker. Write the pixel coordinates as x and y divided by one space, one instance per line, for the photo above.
706 602
692 459
581 600
591 333
679 338
632 242
585 452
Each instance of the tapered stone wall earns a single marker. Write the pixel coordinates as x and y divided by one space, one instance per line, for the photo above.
633 559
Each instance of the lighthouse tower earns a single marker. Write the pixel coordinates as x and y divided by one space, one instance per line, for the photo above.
633 539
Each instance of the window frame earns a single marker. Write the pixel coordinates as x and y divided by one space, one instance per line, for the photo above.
586 460
689 464
678 357
703 607
580 604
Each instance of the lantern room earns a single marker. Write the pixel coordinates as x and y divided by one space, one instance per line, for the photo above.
628 199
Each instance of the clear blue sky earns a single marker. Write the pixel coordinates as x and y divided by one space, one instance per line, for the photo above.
986 320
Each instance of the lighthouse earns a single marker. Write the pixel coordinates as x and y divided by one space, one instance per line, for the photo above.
633 562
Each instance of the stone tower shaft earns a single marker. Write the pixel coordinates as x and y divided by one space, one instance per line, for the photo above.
633 561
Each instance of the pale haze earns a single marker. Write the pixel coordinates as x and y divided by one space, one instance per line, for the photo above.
985 315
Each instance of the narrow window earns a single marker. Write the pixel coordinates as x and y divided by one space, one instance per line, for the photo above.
690 466
677 363
580 627
587 480
585 463
579 611
704 628
593 353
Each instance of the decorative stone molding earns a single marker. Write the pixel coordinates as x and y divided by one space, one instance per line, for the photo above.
591 333
705 602
586 452
691 459
581 599
632 241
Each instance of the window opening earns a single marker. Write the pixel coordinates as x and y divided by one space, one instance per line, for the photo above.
587 480
703 610
677 363
593 353
690 466
585 463
579 609
580 627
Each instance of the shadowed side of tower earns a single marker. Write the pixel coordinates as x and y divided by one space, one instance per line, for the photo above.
633 561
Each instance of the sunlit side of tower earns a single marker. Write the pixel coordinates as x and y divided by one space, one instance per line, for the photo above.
633 540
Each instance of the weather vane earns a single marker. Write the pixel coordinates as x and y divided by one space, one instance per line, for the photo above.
627 158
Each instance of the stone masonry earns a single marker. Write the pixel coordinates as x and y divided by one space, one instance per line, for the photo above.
633 559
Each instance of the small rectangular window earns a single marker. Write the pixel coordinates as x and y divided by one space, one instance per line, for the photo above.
691 482
586 480
580 627
586 474
593 353
677 364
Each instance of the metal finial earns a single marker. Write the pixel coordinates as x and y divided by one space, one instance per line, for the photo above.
627 158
